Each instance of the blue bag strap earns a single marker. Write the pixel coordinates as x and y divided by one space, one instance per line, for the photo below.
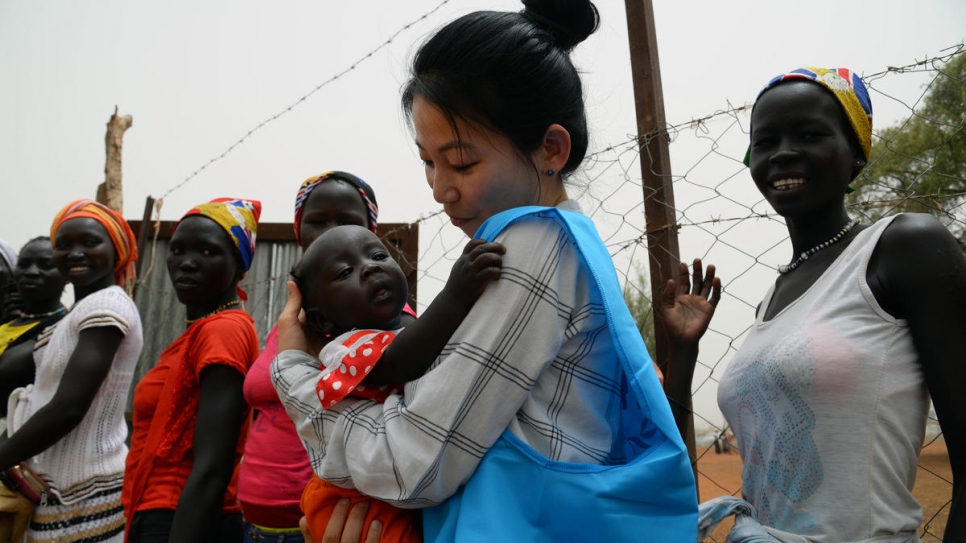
630 348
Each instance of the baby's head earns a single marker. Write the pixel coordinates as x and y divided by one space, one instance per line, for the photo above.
348 280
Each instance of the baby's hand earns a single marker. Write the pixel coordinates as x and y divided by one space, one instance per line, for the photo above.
479 264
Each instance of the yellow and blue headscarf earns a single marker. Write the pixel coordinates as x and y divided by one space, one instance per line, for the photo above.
848 89
368 197
240 219
125 243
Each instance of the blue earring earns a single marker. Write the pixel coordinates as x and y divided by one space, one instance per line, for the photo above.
549 173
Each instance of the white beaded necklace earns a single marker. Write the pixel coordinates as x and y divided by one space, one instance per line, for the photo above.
32 316
804 256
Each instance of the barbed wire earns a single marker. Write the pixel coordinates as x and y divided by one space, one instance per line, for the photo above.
305 97
160 200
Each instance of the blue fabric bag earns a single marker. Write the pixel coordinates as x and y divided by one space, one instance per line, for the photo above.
516 494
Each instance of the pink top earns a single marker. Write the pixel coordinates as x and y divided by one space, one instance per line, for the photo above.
275 468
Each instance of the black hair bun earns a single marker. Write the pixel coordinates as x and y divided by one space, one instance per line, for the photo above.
568 21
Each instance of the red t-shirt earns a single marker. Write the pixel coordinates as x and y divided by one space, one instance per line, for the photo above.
227 338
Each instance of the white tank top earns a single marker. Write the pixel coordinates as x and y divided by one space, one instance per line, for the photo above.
828 403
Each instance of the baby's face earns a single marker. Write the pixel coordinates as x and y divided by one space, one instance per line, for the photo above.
354 281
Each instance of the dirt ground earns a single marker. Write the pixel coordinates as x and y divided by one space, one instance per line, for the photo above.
720 474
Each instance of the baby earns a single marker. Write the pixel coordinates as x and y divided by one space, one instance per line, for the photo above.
353 293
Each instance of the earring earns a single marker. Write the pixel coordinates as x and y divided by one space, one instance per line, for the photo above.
549 173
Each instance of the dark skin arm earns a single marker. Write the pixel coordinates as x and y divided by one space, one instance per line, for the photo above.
687 308
415 348
16 370
86 370
918 273
221 412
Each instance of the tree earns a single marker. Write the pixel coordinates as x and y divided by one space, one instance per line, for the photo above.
638 299
919 164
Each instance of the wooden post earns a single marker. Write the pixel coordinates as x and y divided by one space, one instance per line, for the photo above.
659 212
146 228
110 192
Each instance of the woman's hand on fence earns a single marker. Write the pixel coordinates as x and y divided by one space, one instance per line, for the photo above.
291 322
687 308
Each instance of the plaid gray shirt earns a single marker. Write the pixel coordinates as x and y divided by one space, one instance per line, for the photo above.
530 357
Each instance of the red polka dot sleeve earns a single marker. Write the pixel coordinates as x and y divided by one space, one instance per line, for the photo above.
347 360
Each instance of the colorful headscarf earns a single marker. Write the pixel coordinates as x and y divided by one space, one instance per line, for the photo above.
8 254
125 243
368 196
240 219
848 89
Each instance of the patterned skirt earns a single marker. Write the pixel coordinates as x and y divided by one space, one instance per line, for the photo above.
97 519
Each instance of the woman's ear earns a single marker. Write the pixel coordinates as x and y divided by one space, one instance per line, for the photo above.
554 151
240 271
858 163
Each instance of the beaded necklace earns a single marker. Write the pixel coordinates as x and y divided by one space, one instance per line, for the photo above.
32 316
804 256
219 309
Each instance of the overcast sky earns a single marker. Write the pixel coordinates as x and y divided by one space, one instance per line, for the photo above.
198 76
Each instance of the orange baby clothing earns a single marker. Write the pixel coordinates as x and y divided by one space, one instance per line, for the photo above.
398 525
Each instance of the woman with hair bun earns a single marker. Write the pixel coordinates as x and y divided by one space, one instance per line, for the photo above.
542 419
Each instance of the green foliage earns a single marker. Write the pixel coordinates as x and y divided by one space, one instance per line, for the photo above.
919 164
638 298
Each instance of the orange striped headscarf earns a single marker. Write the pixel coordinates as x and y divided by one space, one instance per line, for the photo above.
117 228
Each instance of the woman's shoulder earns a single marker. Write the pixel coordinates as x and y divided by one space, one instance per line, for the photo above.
233 327
914 234
532 227
112 301
110 295
232 321
235 315
535 240
915 248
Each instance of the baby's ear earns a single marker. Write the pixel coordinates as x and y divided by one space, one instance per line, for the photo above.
317 321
